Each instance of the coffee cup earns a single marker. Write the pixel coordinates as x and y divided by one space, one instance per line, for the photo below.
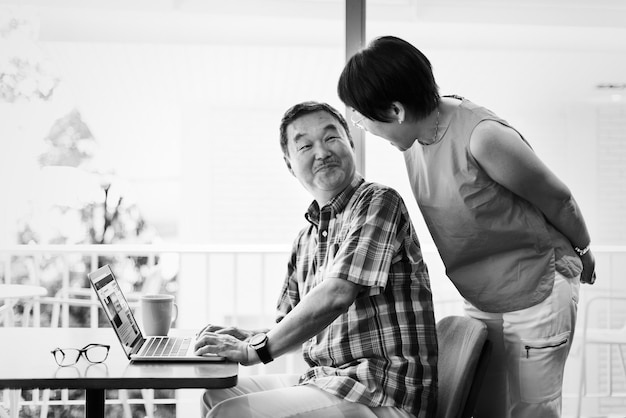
158 312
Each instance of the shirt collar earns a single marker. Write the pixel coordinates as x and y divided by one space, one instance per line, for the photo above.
337 204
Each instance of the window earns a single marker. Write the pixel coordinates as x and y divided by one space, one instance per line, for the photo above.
183 101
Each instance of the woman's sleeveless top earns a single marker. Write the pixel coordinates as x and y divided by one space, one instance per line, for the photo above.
498 249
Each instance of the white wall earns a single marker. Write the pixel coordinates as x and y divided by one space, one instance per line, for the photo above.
160 93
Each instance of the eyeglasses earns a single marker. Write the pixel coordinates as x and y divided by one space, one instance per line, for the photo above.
94 353
358 123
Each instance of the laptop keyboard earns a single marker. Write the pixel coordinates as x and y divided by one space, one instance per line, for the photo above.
167 347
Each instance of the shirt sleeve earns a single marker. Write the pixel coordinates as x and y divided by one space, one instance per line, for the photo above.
289 294
369 241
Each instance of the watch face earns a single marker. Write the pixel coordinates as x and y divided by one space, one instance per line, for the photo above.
257 339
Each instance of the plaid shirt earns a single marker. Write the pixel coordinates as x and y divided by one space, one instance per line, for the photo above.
383 350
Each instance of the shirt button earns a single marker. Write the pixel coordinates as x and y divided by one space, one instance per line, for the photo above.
324 233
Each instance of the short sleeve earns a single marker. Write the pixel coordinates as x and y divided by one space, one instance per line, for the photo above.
368 241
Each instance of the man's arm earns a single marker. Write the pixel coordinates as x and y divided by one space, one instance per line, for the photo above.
316 311
367 249
509 161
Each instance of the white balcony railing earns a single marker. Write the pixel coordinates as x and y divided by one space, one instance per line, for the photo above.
212 283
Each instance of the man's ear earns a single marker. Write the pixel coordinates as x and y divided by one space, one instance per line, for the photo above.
288 165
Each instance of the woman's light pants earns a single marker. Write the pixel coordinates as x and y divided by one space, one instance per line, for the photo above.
525 374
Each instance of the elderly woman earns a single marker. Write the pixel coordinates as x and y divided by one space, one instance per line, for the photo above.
511 235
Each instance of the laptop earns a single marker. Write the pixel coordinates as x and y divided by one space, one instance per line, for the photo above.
136 346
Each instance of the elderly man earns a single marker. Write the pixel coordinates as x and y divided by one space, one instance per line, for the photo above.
356 297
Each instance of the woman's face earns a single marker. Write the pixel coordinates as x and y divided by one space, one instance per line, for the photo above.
396 133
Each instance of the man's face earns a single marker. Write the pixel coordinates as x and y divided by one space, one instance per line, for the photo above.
320 155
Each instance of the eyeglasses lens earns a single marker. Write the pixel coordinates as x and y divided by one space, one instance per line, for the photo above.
67 356
97 353
358 122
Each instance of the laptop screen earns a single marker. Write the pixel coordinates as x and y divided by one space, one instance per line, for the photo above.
116 307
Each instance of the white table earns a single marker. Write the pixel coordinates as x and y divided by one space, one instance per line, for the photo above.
32 346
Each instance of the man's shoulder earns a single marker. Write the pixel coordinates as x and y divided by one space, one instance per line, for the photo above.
373 190
377 187
302 237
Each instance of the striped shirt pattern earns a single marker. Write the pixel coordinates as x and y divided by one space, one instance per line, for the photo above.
383 350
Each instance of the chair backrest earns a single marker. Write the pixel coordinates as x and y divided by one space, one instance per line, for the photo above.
463 357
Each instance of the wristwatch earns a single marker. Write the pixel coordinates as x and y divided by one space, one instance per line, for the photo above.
259 343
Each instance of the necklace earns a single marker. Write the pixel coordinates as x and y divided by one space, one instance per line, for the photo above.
434 138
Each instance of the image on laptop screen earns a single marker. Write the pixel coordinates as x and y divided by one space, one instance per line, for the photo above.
117 309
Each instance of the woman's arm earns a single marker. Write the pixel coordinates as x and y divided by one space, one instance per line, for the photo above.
510 161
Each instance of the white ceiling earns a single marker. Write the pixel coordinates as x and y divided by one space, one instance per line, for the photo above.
201 21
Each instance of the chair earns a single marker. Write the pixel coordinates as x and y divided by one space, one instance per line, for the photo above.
463 356
4 314
12 294
615 336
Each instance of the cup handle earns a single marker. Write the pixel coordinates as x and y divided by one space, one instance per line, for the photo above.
175 315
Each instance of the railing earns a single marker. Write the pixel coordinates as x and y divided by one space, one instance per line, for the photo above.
231 285
218 283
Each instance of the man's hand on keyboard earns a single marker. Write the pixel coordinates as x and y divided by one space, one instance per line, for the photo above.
223 345
238 333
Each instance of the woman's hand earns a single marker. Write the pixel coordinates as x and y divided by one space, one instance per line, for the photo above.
588 274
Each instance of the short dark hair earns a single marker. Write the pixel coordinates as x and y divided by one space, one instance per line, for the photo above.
389 69
304 108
